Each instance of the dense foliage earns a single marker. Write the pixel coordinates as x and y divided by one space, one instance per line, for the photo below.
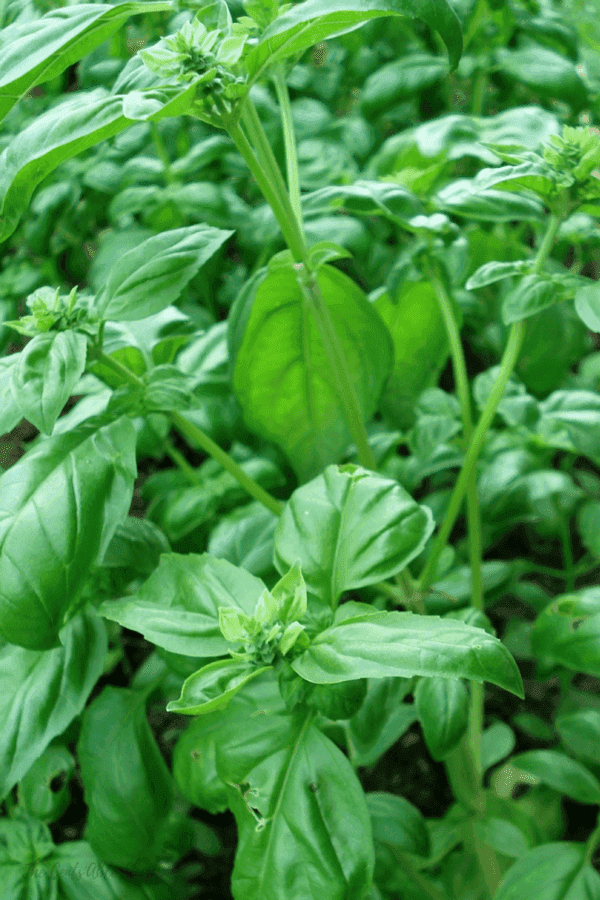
300 417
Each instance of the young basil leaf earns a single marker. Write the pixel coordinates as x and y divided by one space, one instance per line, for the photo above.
561 773
213 686
443 711
45 376
548 867
398 823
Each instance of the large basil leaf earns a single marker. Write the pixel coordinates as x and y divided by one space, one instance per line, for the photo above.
349 528
303 824
546 72
195 754
420 347
178 606
10 414
36 51
37 795
128 788
559 871
147 279
406 644
41 692
59 507
465 197
65 130
245 538
571 420
45 375
283 378
398 823
568 631
82 875
315 20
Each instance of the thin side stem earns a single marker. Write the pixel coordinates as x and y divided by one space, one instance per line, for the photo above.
507 365
198 437
289 138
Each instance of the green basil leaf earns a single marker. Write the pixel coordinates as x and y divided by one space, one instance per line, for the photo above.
587 305
245 538
24 840
464 197
39 50
568 630
303 824
505 837
492 272
400 79
443 711
147 279
64 131
10 414
82 874
315 20
41 692
561 773
349 528
59 507
381 720
571 420
398 823
127 786
36 795
45 375
420 348
406 644
546 72
497 742
213 686
558 870
580 731
283 377
178 606
532 294
195 754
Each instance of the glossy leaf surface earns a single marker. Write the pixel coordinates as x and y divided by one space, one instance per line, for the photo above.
41 692
314 20
59 507
349 528
178 606
406 644
39 50
128 788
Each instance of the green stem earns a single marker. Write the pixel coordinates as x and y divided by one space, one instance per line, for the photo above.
592 844
264 168
426 886
345 389
197 436
467 757
507 365
287 222
479 88
565 535
289 138
162 152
